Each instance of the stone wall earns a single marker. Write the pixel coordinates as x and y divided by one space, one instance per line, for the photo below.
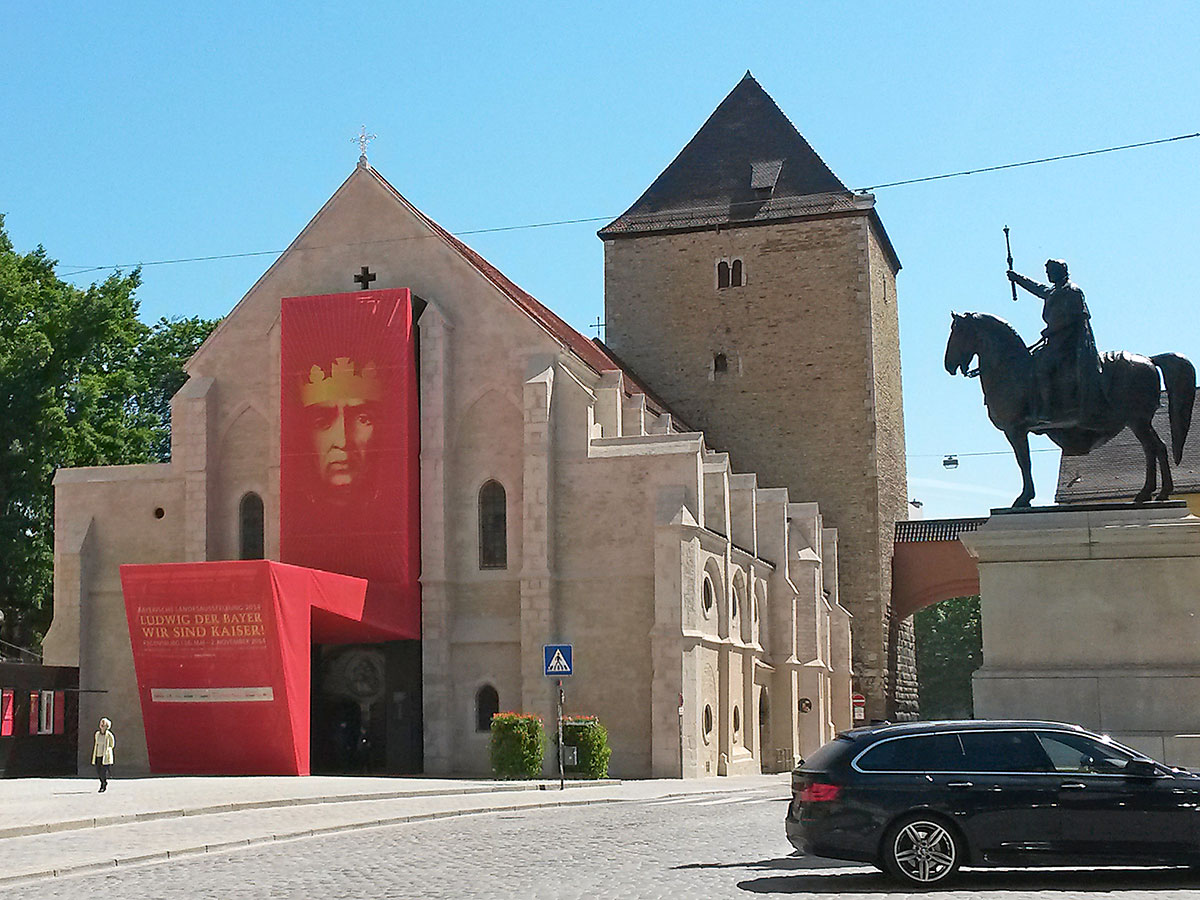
887 405
810 395
106 517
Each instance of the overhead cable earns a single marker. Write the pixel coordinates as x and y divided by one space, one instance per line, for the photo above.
82 270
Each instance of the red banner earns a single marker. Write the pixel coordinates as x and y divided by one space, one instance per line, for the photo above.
222 653
349 449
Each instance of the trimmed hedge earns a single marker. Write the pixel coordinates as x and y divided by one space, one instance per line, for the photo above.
518 745
591 738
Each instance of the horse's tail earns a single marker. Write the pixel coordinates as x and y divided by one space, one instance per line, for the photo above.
1179 375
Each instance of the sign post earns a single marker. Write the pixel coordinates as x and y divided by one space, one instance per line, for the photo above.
859 704
562 778
557 663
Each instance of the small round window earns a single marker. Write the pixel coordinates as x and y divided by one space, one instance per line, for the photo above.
737 722
708 598
708 723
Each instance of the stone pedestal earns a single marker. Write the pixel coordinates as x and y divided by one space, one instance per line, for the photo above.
1091 614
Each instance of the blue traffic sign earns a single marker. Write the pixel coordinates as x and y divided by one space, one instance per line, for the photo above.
557 659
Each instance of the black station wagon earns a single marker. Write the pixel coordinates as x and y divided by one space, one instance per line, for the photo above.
921 799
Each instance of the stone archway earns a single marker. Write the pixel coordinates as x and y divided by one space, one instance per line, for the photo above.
930 564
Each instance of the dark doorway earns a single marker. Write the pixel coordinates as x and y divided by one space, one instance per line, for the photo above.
366 709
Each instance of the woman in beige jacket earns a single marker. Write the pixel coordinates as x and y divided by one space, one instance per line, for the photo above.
102 751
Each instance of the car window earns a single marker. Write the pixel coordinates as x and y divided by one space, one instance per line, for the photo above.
1003 751
828 754
915 753
1078 754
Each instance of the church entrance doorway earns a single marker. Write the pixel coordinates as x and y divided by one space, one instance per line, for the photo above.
366 709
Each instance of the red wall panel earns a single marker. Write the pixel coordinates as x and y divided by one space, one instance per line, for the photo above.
221 652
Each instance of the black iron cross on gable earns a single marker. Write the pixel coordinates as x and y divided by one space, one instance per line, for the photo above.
365 277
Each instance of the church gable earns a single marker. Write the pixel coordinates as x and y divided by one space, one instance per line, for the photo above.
367 221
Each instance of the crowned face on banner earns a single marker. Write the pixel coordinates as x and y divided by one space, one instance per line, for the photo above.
349 446
341 406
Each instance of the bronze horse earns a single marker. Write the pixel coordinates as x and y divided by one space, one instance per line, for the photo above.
1131 389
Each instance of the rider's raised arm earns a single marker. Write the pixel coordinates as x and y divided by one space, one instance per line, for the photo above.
1034 287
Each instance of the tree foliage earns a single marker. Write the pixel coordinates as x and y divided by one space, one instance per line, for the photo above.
83 382
949 650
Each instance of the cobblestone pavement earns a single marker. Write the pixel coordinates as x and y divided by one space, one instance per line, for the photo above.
714 846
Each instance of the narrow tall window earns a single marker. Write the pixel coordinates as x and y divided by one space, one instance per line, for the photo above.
493 527
722 274
735 274
764 717
46 713
250 518
487 704
720 363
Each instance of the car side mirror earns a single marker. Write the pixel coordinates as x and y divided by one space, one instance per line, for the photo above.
1141 768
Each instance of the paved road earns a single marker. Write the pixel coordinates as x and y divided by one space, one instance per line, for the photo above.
715 846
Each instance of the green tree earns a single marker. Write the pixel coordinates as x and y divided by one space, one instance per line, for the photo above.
83 382
166 346
949 650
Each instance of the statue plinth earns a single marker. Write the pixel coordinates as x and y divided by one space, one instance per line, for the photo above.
1091 614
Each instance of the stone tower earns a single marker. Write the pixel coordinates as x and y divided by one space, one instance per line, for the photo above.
756 295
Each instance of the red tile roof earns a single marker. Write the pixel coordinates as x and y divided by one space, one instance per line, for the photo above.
592 353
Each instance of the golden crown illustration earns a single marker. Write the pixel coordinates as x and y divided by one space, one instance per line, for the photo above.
341 385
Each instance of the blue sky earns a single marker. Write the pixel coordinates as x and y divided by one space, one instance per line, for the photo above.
141 132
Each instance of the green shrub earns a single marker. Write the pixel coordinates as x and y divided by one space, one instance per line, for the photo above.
518 745
591 738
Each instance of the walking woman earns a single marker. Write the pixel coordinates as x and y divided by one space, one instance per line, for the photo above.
102 752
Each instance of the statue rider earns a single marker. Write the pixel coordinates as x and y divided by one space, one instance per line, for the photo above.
1066 365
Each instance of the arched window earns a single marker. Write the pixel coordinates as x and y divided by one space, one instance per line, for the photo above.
735 274
722 274
720 363
493 527
738 606
250 519
707 596
487 704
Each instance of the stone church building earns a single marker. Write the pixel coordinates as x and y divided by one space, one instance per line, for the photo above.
703 507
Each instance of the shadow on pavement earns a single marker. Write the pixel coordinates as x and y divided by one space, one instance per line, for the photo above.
787 862
1070 881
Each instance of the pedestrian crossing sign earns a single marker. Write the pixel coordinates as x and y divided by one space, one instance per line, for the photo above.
557 659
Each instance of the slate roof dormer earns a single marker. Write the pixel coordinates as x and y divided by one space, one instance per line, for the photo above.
747 165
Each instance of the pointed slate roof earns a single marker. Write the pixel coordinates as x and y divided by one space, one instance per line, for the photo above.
747 165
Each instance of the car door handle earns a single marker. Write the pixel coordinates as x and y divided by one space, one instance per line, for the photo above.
1073 786
959 785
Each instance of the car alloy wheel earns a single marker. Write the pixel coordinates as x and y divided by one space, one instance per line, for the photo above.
921 850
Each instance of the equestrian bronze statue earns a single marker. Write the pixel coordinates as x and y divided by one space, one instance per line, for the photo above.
1062 388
